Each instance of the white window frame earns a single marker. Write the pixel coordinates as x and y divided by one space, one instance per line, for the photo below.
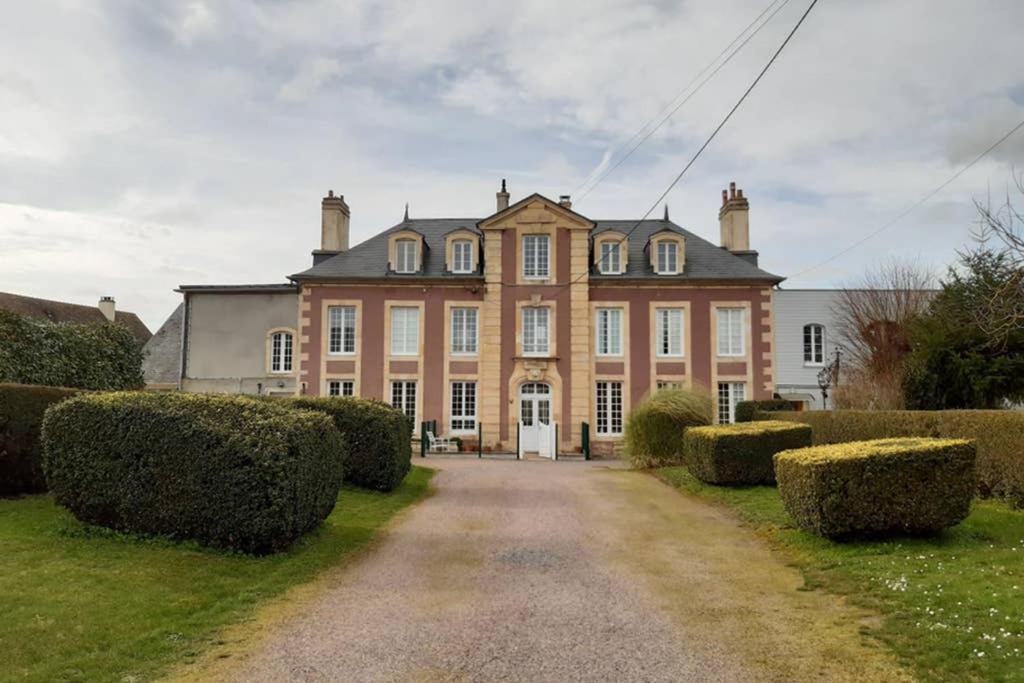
534 267
341 387
536 331
462 263
405 396
729 394
282 351
608 412
608 331
340 320
606 260
405 331
731 326
463 403
661 258
464 330
406 258
816 345
663 327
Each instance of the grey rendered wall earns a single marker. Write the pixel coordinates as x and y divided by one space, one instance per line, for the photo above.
794 309
226 345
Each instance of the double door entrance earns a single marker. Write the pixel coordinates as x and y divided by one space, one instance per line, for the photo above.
535 427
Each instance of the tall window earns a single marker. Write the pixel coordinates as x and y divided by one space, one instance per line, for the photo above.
463 406
669 331
668 258
535 331
405 256
462 256
730 331
281 352
403 397
405 331
341 326
609 331
611 262
535 256
341 387
609 408
814 344
729 394
464 330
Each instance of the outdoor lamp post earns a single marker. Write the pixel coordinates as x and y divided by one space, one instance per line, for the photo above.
828 377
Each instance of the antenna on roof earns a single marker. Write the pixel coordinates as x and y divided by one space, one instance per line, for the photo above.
406 217
666 210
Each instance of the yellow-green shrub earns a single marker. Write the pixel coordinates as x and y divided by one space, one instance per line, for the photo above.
654 429
740 453
998 436
902 485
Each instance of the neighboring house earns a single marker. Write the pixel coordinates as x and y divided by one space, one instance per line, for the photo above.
161 363
806 338
535 315
63 312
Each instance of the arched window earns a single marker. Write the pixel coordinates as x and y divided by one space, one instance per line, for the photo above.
814 344
281 344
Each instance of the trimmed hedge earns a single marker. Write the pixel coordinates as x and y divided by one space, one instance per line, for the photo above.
746 410
378 438
998 437
654 429
901 485
226 471
740 454
21 452
101 356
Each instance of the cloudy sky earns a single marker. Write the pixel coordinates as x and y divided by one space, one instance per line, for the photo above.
145 145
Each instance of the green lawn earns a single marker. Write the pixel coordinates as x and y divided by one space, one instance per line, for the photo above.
953 604
82 603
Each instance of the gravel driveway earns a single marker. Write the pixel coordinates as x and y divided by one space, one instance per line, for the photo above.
545 571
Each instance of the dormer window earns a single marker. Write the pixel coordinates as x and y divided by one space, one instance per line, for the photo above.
462 256
611 260
668 258
406 258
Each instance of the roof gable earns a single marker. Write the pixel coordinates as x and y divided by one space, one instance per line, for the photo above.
529 203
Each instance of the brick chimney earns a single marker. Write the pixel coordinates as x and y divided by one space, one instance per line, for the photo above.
502 197
107 307
334 223
734 220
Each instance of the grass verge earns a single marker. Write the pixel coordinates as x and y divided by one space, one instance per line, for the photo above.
953 604
82 603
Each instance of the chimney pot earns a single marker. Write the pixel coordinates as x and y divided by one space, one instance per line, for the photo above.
564 200
725 197
732 190
502 196
108 308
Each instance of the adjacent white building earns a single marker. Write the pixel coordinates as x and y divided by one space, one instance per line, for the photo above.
806 338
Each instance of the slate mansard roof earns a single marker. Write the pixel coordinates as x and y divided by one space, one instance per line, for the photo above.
369 260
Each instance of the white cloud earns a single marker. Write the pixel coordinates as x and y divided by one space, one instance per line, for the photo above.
310 78
192 22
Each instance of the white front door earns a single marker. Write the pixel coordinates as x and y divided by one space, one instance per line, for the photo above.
534 415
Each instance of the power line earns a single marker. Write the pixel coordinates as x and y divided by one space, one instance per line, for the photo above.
711 137
916 204
669 111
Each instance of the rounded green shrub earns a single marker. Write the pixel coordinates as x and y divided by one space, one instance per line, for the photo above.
378 438
747 410
741 454
226 471
867 488
654 429
21 451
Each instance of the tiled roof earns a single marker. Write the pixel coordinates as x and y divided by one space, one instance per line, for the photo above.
63 312
369 259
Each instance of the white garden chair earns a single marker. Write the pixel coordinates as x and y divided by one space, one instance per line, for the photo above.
438 444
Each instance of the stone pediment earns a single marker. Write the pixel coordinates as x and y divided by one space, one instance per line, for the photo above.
536 210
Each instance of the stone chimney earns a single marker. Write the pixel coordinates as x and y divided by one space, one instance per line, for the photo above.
334 223
734 220
107 307
502 197
564 201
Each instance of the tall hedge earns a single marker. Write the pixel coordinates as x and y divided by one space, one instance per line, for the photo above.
378 438
998 436
741 454
862 488
21 451
103 356
745 410
227 471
